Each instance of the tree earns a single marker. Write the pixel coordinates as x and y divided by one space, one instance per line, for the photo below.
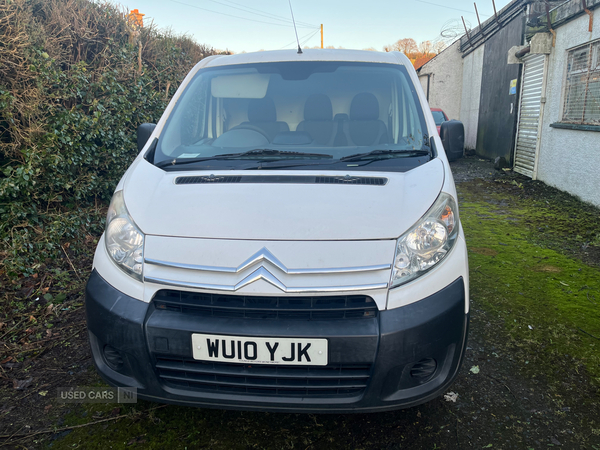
406 46
418 54
426 47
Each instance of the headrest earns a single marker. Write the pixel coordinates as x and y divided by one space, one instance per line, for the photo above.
364 106
318 107
262 110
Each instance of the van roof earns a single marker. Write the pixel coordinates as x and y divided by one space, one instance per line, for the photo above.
308 55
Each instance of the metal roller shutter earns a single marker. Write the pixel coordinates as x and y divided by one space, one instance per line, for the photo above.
530 112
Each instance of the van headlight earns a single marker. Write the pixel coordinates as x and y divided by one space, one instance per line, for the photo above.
427 242
124 241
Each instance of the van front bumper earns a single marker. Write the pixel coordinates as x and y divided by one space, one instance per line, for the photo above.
402 357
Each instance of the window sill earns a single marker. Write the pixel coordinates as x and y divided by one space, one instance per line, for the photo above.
575 126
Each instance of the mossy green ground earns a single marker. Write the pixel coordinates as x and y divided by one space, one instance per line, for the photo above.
524 271
527 275
185 427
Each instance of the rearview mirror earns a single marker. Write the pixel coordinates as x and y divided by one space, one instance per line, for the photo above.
144 132
452 134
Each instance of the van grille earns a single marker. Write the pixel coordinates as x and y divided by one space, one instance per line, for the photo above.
250 307
274 381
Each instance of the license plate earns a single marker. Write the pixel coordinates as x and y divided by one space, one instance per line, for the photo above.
245 350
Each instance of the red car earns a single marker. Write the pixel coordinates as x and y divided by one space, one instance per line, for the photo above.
439 116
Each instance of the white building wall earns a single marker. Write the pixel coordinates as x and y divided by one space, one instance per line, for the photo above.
423 81
568 159
471 94
445 85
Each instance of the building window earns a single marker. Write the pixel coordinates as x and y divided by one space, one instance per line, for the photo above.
582 86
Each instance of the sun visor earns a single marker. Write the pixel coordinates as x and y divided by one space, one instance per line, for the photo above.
249 85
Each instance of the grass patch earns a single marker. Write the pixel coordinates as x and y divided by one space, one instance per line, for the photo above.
525 273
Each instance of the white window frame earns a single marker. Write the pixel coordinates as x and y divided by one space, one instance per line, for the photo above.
592 70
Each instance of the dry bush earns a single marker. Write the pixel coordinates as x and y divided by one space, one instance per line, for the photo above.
21 107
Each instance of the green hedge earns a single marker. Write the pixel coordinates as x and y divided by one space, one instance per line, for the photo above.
70 102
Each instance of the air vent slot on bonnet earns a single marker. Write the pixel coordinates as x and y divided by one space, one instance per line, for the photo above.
369 181
207 179
283 179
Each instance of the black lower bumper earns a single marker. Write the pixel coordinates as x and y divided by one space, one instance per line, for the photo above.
402 357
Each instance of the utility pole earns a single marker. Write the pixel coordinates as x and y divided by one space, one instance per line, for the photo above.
321 35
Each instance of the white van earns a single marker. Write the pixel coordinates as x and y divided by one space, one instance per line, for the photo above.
288 239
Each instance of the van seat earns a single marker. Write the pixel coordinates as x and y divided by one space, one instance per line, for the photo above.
365 128
262 114
318 119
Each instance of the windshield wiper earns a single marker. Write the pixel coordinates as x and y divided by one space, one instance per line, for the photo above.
274 152
375 154
180 162
283 164
256 152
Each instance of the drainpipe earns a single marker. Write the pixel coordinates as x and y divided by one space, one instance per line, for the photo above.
550 24
523 52
589 13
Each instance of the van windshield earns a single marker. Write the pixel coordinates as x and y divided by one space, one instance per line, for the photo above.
334 115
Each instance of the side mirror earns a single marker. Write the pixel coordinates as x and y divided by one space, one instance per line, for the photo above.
452 134
144 132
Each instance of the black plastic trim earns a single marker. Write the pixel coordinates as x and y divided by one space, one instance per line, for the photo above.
264 308
434 150
149 155
391 345
282 179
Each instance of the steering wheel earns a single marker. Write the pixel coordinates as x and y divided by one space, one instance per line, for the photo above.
253 128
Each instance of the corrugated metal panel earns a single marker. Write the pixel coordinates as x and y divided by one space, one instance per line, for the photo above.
532 88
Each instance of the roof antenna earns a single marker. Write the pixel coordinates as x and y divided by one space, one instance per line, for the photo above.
293 20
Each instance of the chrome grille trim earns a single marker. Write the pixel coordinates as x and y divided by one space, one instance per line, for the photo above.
264 274
172 265
266 255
